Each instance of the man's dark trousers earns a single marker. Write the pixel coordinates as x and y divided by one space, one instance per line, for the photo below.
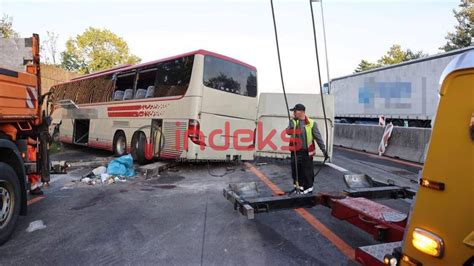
305 168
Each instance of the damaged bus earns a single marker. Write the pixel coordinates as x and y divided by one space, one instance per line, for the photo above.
182 107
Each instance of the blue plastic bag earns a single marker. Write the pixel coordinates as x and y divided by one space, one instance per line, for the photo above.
122 166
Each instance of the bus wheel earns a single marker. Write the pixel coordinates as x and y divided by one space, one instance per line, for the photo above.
9 201
120 144
138 148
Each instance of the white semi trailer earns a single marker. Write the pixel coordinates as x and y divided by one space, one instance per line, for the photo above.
405 94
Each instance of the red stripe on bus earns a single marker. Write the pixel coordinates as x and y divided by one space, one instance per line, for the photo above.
123 114
135 101
124 108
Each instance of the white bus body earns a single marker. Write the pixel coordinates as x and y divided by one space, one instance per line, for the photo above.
272 115
162 101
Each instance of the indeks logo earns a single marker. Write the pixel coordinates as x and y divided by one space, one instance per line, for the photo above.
241 139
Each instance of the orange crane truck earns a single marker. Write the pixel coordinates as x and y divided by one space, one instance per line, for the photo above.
24 137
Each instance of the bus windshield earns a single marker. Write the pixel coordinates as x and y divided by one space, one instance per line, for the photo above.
229 77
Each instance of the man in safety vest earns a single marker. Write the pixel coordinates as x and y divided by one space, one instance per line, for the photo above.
303 132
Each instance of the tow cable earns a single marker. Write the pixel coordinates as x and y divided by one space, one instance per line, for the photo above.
297 188
320 87
297 184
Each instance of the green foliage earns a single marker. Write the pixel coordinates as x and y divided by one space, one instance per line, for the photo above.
365 65
463 32
394 55
6 27
94 50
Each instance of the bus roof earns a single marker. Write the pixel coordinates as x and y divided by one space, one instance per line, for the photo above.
130 67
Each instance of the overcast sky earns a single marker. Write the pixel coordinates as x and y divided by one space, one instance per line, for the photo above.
243 29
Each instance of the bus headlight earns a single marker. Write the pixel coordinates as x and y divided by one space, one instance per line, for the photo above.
427 242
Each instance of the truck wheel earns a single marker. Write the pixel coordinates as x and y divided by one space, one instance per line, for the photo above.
9 201
138 148
120 144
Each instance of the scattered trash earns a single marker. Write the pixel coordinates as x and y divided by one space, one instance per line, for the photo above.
36 225
117 179
88 181
66 188
122 166
104 177
59 167
118 170
99 170
260 164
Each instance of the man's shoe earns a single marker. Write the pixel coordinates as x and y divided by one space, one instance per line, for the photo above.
37 191
308 191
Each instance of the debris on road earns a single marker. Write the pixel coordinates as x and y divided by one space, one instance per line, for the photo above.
59 167
118 170
99 170
36 225
122 166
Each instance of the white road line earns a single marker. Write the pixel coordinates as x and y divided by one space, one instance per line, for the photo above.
338 168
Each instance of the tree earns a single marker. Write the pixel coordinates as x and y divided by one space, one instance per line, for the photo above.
463 34
365 65
96 49
6 27
394 55
49 48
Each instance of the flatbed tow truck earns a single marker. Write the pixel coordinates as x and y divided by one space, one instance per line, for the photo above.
439 230
23 128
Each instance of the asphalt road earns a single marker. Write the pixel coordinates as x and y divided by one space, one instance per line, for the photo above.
181 218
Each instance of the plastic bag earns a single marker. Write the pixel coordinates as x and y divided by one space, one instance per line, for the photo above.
122 166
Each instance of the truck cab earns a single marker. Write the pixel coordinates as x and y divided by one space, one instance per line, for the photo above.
23 128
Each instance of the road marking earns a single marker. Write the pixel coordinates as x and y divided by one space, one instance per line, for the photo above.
313 221
382 157
338 168
34 200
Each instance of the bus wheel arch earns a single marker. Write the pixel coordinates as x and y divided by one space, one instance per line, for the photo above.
119 143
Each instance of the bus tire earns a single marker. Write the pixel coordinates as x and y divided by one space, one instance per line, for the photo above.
10 201
120 144
138 148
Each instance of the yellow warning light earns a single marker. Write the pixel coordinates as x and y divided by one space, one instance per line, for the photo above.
427 242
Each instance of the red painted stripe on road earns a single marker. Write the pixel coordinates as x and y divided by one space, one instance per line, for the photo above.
313 221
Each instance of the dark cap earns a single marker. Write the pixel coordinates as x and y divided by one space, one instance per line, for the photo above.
298 107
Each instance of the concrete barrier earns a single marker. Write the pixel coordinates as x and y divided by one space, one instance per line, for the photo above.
408 144
367 138
344 135
358 137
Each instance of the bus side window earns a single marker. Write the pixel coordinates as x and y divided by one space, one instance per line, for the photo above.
173 77
146 79
124 87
